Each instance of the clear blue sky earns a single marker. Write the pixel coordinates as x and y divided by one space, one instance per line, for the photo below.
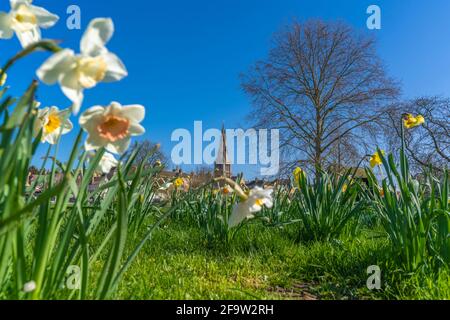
184 57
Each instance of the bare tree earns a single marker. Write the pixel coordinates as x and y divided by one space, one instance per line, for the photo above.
202 174
322 85
149 150
427 145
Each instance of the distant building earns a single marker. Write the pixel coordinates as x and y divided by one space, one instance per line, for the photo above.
222 166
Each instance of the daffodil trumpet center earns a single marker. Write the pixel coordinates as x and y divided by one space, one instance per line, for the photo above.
376 159
178 182
259 202
241 194
113 128
53 123
90 71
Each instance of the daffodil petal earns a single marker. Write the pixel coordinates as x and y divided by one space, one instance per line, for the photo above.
238 215
6 32
52 69
65 114
116 69
136 129
53 110
114 108
72 90
268 203
97 34
135 113
45 18
16 3
119 147
89 119
52 138
67 126
29 37
94 142
255 208
43 112
107 162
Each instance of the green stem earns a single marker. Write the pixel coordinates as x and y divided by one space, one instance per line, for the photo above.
46 45
403 154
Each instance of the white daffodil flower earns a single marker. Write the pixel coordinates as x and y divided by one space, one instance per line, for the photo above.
106 164
166 186
83 71
246 209
227 190
29 287
25 20
112 127
53 123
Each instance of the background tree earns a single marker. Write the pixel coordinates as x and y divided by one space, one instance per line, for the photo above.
201 175
427 145
323 86
147 147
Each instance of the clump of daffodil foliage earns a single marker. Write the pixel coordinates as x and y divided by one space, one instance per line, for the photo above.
51 221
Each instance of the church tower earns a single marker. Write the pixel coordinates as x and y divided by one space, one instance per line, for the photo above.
222 166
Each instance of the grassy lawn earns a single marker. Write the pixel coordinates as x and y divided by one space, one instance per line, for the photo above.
264 263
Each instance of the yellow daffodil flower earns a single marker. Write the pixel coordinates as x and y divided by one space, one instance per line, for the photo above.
376 159
298 174
178 182
411 122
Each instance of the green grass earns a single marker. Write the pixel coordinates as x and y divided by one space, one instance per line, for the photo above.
264 263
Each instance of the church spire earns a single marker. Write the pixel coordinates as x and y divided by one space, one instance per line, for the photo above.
222 167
